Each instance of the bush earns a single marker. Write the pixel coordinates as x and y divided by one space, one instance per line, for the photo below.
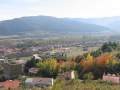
88 76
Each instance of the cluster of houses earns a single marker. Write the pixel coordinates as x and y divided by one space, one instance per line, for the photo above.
5 51
15 68
13 52
12 69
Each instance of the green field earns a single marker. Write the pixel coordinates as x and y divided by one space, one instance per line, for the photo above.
75 51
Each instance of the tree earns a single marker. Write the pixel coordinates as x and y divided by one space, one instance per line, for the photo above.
69 65
109 47
103 59
106 48
118 55
29 64
87 63
79 58
97 70
96 53
89 57
88 76
48 68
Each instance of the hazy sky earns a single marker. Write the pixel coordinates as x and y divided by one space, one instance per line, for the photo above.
59 8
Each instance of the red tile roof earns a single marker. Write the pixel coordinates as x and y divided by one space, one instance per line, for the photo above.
10 84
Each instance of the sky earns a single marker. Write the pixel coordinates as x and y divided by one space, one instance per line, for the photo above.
59 8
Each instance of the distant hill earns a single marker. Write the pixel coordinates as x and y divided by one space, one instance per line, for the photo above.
111 22
40 25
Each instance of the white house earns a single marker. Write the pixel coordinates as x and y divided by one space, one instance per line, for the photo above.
36 56
39 82
113 78
67 75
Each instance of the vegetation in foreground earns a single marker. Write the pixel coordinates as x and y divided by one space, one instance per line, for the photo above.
78 85
84 85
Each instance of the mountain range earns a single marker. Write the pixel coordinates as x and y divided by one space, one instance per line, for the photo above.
112 23
52 26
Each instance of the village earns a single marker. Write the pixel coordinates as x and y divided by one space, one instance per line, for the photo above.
47 64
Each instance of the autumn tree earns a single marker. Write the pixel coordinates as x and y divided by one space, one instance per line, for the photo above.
69 65
48 68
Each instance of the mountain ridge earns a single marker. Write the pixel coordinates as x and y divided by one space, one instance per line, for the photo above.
48 24
110 22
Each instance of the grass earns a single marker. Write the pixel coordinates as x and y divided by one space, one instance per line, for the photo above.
25 58
90 85
75 51
78 85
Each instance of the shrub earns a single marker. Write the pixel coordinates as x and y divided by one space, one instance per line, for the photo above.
88 76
